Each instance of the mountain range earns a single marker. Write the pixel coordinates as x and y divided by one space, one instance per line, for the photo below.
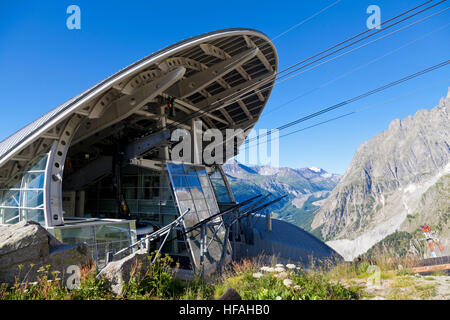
396 182
305 188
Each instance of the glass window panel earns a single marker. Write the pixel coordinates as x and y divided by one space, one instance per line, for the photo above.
165 194
202 172
176 168
204 181
112 232
183 194
212 204
34 215
34 180
180 181
11 198
204 208
200 205
203 214
193 181
41 164
208 193
168 207
150 181
133 205
107 193
128 193
109 206
130 182
186 204
32 199
148 206
197 193
164 181
190 170
9 215
77 235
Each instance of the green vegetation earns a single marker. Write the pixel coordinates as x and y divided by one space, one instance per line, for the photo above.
159 283
251 279
396 244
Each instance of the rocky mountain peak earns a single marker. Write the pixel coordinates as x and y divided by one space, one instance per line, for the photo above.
413 151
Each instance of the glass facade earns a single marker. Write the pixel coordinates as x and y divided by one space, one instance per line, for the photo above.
220 187
101 237
24 199
147 193
149 197
193 190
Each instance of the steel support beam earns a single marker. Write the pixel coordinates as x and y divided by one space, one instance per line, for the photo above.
202 79
129 104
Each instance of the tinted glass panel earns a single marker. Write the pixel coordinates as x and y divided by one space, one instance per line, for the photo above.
193 190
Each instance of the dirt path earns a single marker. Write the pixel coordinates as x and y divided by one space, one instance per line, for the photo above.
405 287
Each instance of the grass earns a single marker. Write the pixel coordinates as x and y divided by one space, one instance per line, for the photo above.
344 281
158 282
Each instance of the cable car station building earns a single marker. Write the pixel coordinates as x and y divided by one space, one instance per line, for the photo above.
100 167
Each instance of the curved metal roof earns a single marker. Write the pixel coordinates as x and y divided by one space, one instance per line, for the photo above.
247 58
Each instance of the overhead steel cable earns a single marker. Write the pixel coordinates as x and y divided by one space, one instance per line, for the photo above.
238 95
368 43
247 147
359 97
368 30
295 74
307 19
354 70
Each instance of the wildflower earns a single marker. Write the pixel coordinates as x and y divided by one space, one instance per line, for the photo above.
297 287
279 265
270 269
288 282
279 269
278 298
281 275
264 268
257 275
290 266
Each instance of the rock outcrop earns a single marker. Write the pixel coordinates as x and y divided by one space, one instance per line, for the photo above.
118 273
25 247
386 180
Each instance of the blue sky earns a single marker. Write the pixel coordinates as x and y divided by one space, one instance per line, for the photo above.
43 64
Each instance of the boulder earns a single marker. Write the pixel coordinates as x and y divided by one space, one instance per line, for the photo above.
118 273
230 294
26 246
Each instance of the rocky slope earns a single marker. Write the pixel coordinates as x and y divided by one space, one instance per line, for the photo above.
306 188
396 181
